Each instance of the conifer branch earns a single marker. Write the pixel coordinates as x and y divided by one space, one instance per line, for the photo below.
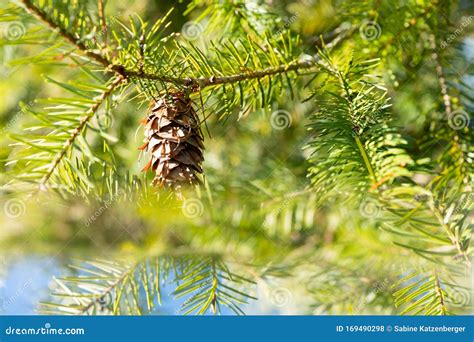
368 165
440 294
422 292
68 36
441 77
79 129
347 96
363 169
453 134
203 82
194 84
127 273
454 238
103 23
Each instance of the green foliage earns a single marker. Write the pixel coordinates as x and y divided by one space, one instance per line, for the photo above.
108 287
211 285
374 166
124 288
56 152
354 148
426 293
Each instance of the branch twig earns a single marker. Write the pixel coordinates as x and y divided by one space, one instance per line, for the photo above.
193 83
103 23
78 130
441 77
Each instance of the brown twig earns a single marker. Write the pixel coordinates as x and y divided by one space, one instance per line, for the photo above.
77 131
441 77
448 104
439 294
193 83
103 23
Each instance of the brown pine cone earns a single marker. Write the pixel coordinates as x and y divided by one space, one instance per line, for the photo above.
174 137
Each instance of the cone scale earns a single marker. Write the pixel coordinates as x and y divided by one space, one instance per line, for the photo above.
175 141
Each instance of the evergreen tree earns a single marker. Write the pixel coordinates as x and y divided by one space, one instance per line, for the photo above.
338 145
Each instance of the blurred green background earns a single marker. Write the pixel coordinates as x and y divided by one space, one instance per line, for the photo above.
305 260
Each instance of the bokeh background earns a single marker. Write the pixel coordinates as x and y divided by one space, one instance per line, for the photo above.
303 260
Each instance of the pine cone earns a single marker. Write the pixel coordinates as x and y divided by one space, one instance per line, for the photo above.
174 137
